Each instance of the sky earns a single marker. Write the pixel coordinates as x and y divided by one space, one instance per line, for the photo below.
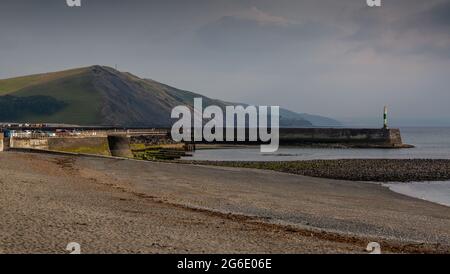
340 59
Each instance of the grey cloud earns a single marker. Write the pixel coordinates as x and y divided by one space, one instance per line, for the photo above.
437 18
248 34
423 31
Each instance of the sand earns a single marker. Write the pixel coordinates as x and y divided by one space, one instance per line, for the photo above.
126 206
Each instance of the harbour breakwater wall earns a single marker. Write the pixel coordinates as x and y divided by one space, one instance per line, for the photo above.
352 137
332 137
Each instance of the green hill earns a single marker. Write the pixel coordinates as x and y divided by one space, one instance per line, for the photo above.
99 95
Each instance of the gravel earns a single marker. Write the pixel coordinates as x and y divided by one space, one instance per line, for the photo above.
375 170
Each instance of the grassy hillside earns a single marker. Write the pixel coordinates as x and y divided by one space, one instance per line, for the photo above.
100 96
13 107
82 100
14 84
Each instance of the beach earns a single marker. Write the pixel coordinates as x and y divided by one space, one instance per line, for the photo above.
127 206
370 170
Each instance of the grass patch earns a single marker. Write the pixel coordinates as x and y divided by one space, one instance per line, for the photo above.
73 88
77 92
14 84
139 146
157 152
13 108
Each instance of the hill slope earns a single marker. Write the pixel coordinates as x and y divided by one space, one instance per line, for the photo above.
101 96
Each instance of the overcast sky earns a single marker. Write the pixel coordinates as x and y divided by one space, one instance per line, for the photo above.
336 58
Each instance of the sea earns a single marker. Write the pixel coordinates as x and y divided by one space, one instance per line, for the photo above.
429 142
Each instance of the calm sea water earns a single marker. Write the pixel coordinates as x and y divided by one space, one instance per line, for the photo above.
437 192
431 143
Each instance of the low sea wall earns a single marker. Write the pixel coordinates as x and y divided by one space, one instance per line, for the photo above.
89 145
2 146
111 145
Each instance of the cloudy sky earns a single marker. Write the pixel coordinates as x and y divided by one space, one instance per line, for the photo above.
336 58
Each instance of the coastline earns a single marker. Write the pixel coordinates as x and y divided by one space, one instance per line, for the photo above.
122 206
370 170
436 191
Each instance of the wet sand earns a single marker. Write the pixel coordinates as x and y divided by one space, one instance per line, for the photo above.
126 206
